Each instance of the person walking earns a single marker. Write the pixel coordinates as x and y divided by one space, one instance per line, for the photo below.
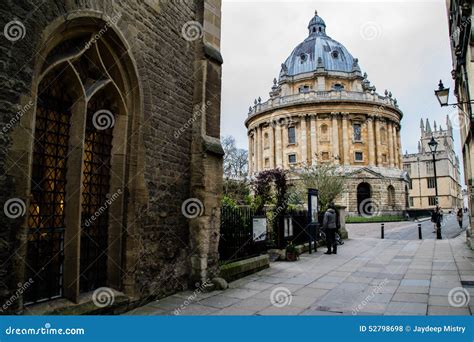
330 226
460 217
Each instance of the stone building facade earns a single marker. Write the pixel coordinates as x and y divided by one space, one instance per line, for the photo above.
110 159
460 17
323 109
419 167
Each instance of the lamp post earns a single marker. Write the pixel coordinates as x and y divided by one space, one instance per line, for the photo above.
433 145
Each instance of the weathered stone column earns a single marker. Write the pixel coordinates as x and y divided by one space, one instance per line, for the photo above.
335 138
207 154
255 150
271 136
345 139
314 142
303 142
370 130
378 142
278 145
390 144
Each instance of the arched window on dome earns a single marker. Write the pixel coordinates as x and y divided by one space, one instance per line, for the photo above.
338 87
324 132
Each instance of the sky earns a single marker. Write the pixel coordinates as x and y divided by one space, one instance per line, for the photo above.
403 46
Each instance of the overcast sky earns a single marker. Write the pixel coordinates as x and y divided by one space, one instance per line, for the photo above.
402 45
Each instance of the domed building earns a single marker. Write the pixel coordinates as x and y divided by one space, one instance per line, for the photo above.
322 109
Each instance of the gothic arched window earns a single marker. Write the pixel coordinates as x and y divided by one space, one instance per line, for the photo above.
77 172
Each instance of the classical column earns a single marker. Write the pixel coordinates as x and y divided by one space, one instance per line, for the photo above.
313 137
303 143
255 150
260 148
399 148
345 139
278 145
371 145
335 138
390 143
378 142
250 156
272 146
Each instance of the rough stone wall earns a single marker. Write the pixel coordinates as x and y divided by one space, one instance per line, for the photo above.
165 64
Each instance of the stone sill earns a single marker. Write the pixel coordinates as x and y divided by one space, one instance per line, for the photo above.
63 306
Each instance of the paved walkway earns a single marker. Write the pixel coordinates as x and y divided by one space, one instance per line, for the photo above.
367 276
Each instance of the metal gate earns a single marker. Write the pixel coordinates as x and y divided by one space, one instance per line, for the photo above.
45 247
95 213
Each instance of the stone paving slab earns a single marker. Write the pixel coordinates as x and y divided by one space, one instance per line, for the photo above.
368 276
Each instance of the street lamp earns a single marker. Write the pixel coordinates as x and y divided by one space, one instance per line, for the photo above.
442 94
433 145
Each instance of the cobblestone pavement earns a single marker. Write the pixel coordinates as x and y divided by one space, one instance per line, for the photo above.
408 230
367 276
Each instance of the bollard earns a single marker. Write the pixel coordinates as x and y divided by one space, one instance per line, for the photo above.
382 230
419 231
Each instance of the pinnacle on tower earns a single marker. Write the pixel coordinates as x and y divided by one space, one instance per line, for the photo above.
422 126
428 127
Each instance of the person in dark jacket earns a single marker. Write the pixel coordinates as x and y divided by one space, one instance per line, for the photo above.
460 217
330 226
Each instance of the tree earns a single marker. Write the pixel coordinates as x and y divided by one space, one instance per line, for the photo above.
235 159
328 179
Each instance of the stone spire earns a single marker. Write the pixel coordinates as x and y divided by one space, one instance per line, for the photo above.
419 147
422 127
435 129
428 127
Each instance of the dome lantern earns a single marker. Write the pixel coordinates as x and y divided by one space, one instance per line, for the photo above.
317 26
